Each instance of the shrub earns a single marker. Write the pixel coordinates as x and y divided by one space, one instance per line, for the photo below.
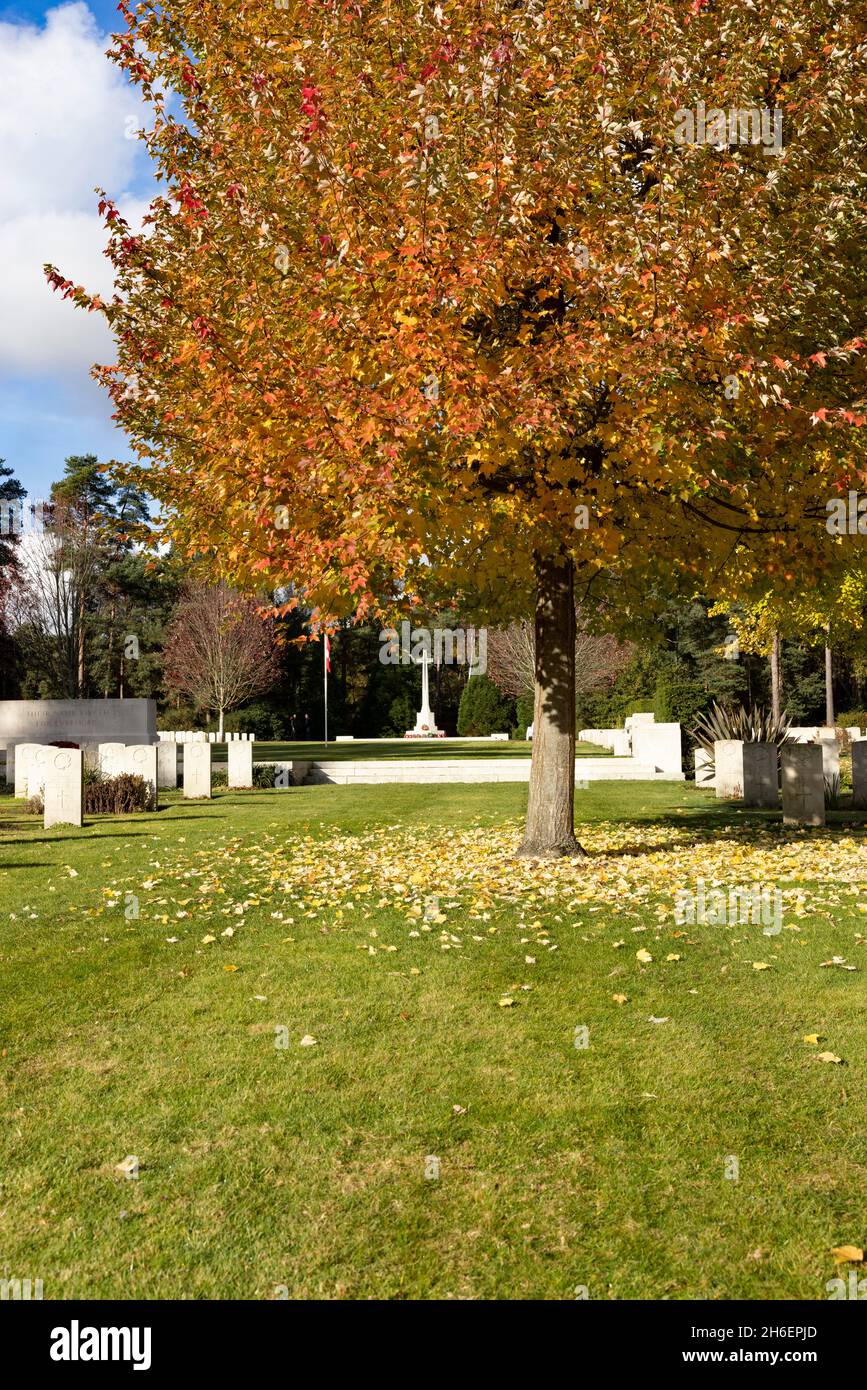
678 699
116 796
524 715
483 710
851 718
754 725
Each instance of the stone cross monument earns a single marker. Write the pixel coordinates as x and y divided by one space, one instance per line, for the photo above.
425 725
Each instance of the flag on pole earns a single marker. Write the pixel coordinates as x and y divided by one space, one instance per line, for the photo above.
327 653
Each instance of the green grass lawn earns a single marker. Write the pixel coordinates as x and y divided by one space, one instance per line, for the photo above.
392 924
410 748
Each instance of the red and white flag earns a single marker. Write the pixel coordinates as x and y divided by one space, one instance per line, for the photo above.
327 653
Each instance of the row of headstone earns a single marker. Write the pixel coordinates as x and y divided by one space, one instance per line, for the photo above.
56 774
198 736
197 768
756 772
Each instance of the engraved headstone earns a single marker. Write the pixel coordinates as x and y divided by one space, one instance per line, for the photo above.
63 787
803 784
240 764
761 776
197 770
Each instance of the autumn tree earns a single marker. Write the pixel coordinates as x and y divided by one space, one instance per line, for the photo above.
219 653
470 303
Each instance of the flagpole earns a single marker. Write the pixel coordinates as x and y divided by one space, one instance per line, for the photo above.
325 674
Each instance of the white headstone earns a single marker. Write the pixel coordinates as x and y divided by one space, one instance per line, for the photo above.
728 758
141 761
240 765
112 758
197 770
63 787
167 765
23 755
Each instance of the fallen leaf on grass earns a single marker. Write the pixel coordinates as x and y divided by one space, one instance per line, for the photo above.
761 965
644 956
812 1038
847 1254
652 1019
307 1041
506 1002
620 998
231 968
827 1057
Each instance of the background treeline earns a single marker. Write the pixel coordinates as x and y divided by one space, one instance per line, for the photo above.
86 612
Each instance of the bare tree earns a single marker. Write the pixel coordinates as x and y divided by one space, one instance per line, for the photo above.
512 658
56 570
219 652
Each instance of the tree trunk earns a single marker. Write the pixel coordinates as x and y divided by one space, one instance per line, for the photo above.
550 829
220 731
776 684
82 671
829 688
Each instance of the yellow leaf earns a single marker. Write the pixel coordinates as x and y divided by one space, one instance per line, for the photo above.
644 956
231 968
761 965
620 998
827 1057
812 1038
506 1002
847 1254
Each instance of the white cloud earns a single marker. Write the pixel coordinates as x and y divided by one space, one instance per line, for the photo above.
64 112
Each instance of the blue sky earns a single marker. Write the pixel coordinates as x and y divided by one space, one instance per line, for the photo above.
64 123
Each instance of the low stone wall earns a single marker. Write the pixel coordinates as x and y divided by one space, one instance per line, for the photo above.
377 772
